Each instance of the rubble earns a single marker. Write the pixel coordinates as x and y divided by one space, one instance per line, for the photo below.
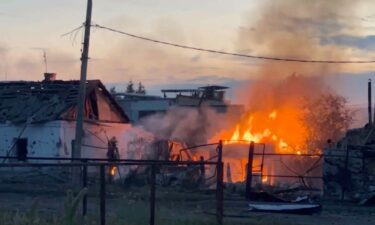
349 167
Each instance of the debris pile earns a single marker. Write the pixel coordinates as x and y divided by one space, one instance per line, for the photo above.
349 167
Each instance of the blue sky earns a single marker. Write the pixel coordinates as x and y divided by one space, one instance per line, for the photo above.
294 28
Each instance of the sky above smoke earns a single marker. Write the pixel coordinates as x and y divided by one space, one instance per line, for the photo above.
332 30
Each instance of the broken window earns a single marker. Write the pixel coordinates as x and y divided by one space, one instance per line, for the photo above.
93 112
21 149
107 111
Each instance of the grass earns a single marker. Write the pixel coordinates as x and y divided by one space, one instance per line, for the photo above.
33 217
20 219
131 207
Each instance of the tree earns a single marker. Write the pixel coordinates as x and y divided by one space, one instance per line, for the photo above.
141 89
130 87
112 90
326 118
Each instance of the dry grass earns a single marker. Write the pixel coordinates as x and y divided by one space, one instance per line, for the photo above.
130 208
173 207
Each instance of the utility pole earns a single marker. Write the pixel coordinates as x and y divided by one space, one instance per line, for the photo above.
82 84
45 60
369 103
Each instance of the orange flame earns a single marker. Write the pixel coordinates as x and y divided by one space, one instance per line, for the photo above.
272 115
282 128
113 171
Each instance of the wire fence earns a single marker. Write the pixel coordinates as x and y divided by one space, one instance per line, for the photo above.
88 172
266 169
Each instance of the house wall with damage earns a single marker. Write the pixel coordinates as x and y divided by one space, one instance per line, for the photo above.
43 140
37 119
132 142
54 139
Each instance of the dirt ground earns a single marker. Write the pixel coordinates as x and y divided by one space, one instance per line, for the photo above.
131 206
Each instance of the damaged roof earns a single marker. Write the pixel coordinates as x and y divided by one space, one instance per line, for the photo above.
41 101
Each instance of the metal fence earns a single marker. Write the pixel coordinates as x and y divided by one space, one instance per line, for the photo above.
84 166
102 165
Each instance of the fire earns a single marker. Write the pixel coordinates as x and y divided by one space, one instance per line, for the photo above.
265 179
264 176
281 129
248 135
113 171
272 115
282 144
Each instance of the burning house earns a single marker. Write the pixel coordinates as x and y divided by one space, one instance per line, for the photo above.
272 120
289 117
37 119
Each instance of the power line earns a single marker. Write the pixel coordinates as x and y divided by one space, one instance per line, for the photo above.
74 30
235 54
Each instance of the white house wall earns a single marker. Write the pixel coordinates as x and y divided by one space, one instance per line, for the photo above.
43 140
54 139
132 142
95 137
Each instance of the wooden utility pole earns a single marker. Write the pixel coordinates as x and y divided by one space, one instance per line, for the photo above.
82 84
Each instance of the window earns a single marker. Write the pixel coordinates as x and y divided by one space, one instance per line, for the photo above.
21 149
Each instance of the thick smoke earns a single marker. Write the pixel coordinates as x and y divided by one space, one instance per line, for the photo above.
298 29
295 29
268 95
290 28
191 126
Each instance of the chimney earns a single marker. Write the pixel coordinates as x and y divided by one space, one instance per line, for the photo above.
369 103
49 77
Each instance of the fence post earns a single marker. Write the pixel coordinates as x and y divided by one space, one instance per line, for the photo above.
202 169
84 185
262 164
249 174
344 184
102 194
152 194
219 185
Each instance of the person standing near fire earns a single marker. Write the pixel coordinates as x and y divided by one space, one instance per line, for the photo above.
112 155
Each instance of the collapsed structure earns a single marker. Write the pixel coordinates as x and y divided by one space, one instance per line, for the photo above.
349 167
